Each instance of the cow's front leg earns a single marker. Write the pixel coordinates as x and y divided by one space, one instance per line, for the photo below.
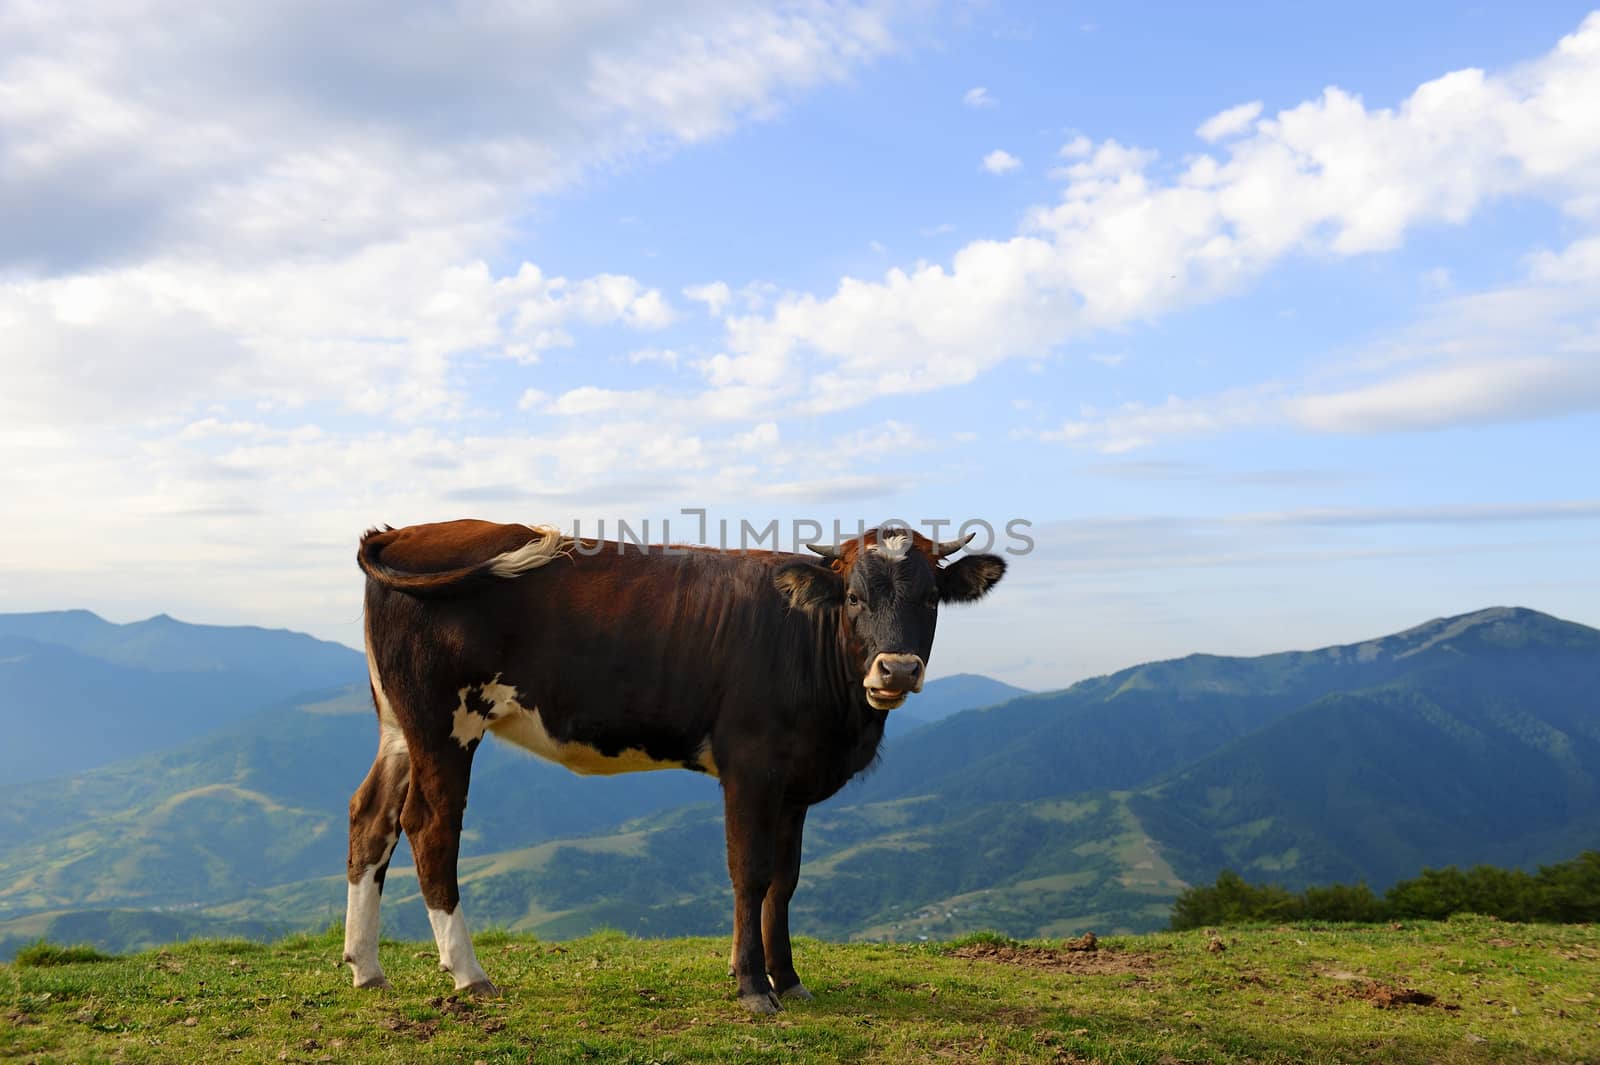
432 817
775 911
750 815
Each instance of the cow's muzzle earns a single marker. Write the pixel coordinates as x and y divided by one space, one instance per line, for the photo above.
892 678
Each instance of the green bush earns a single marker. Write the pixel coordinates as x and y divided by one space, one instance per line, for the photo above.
40 954
1565 893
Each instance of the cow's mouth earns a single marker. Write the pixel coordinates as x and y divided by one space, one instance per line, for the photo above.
884 698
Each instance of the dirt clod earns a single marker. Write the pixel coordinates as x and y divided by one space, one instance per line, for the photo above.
1085 942
421 1031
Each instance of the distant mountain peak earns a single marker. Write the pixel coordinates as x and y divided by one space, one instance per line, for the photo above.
1496 626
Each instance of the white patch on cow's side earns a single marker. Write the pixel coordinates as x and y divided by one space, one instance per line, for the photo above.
526 729
456 955
361 925
546 544
467 727
707 760
511 721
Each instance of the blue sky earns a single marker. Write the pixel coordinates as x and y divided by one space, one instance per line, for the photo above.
1278 325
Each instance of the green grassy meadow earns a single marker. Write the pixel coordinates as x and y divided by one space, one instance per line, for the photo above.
1466 990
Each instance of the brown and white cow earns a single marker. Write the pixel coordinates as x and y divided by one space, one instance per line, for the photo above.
773 672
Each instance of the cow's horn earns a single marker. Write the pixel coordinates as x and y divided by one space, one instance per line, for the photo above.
828 551
950 547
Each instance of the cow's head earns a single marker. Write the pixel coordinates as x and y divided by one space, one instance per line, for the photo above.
884 588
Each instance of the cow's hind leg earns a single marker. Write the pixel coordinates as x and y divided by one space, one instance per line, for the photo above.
435 805
775 910
750 812
374 831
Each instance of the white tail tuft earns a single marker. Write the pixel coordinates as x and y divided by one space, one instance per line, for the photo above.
546 545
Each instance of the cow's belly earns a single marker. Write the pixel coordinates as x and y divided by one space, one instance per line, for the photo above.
527 730
493 707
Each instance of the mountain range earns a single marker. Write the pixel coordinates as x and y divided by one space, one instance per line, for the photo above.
1466 739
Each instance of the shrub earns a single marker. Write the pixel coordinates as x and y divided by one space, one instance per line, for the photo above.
40 954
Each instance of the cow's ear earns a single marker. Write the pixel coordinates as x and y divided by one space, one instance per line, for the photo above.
809 587
970 578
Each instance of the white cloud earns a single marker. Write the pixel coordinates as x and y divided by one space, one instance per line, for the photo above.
283 202
1468 360
1127 242
1438 397
375 332
1437 279
761 440
1431 514
666 356
715 295
978 97
591 400
298 129
1001 161
1229 123
1078 147
1136 425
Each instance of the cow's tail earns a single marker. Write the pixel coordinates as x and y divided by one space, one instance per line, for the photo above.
547 543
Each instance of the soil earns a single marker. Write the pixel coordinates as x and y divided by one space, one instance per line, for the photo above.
1072 959
1388 996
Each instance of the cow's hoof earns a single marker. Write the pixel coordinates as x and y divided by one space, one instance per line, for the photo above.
375 983
797 993
760 1002
481 989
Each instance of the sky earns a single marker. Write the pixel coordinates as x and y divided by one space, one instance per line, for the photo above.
1277 326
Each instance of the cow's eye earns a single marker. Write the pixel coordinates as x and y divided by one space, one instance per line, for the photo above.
852 598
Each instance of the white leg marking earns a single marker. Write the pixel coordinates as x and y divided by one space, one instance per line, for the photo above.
361 931
456 955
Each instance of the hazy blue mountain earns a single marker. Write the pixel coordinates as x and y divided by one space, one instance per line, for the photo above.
1133 727
1487 749
957 692
77 691
163 644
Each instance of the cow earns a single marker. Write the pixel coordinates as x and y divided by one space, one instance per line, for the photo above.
773 672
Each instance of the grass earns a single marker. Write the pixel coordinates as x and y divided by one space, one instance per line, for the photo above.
41 954
1503 993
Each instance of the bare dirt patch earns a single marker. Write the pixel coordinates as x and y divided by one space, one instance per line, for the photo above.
1096 961
422 1031
1389 996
